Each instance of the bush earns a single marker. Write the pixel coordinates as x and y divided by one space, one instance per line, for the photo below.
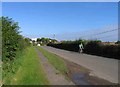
111 51
12 44
69 45
93 47
12 41
90 47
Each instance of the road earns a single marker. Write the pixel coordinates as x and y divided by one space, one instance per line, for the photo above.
101 67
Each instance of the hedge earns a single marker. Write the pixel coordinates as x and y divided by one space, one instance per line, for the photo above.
91 47
12 41
12 44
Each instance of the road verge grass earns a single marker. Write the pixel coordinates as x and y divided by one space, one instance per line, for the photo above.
30 71
55 60
9 68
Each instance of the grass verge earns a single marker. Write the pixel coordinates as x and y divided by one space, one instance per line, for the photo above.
55 60
30 71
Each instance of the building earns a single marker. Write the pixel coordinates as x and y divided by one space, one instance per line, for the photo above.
34 39
38 45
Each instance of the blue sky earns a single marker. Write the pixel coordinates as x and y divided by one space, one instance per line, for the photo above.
66 20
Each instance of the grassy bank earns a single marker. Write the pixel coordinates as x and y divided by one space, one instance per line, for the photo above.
9 68
30 71
55 60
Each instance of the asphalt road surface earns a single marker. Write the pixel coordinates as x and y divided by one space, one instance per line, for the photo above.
101 67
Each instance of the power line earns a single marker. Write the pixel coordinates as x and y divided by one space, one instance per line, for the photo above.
101 32
107 31
106 36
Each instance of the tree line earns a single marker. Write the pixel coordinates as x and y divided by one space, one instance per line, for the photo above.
44 41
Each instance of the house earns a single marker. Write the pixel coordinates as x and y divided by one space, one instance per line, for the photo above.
38 45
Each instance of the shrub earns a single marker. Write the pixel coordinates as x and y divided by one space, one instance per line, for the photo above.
12 41
93 47
12 44
90 47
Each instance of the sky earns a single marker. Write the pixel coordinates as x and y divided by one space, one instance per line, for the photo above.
64 20
60 0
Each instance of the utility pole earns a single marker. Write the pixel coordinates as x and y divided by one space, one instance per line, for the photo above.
53 36
119 33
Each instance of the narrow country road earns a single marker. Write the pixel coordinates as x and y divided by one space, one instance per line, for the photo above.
53 75
100 66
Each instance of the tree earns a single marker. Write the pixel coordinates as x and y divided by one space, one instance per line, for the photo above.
12 41
118 42
10 37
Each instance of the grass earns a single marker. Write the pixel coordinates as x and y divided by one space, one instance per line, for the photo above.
11 67
0 55
30 70
0 74
55 60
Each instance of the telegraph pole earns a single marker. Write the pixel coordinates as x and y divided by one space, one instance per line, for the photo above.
53 36
119 33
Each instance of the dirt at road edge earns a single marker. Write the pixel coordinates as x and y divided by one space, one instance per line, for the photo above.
81 76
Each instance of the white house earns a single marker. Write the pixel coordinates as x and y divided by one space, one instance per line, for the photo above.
38 44
35 39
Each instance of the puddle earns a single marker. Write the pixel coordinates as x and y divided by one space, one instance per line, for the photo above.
82 76
79 79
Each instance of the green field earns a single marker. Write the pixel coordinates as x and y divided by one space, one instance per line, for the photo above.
30 72
55 60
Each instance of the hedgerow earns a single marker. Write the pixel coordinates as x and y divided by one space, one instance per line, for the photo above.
12 43
90 47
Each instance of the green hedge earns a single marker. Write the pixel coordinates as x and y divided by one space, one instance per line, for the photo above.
97 48
91 47
12 43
